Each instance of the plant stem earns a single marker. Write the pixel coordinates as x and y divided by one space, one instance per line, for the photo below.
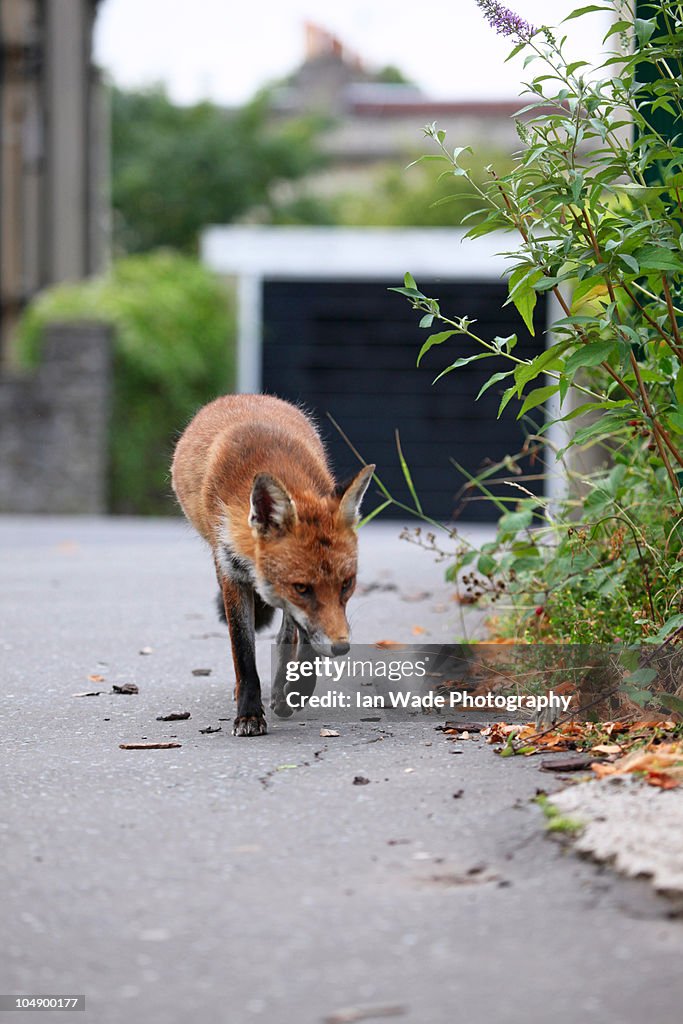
672 314
678 352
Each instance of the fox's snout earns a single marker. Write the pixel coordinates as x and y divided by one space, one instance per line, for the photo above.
327 647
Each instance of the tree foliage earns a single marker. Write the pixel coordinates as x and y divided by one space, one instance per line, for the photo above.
177 169
173 351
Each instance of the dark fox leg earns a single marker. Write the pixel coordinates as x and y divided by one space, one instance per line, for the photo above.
263 613
305 686
239 610
286 651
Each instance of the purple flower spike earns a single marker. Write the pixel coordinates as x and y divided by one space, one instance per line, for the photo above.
505 21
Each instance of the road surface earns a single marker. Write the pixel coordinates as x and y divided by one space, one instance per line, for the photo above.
237 880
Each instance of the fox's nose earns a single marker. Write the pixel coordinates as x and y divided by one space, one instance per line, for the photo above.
341 647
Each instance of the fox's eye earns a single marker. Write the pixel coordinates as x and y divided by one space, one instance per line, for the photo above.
305 589
347 584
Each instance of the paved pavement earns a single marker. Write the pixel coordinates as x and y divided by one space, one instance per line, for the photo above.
238 880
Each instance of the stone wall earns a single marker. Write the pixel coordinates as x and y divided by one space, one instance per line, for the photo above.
54 425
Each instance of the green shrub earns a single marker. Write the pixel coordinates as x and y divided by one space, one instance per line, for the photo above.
174 351
593 203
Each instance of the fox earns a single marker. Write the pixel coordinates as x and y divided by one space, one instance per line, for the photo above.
252 477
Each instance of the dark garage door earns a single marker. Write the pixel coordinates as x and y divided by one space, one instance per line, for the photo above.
350 349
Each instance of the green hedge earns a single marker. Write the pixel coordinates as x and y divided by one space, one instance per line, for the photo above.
174 351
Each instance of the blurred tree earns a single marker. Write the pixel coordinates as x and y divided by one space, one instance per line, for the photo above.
417 196
392 75
174 329
176 169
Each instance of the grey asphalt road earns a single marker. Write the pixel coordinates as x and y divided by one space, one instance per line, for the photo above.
238 880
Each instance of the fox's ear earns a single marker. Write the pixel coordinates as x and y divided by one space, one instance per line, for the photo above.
353 494
270 507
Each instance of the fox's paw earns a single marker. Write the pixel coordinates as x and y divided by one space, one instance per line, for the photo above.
281 708
250 725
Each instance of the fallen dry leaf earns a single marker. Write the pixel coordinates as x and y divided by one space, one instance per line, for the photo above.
95 678
201 671
148 746
570 763
127 688
211 728
146 650
88 693
385 645
328 732
360 780
418 630
660 764
662 780
174 716
457 727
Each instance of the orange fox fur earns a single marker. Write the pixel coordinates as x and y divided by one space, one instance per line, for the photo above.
251 475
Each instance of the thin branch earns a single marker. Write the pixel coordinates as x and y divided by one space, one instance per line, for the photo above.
678 352
672 314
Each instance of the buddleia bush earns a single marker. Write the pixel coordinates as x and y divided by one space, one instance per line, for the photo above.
593 206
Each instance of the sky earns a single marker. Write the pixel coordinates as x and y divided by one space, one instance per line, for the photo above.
225 50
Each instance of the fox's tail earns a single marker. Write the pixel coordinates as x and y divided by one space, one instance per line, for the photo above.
263 613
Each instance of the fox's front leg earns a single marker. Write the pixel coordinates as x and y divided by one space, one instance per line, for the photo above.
286 651
239 611
305 685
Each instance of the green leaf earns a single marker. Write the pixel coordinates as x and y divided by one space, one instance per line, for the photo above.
511 523
597 500
409 281
678 387
654 258
580 11
603 426
644 29
525 372
507 395
537 397
435 339
675 421
486 565
670 702
463 361
546 283
589 355
411 293
618 26
521 288
641 676
630 262
406 474
505 344
493 380
675 622
513 53
589 290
